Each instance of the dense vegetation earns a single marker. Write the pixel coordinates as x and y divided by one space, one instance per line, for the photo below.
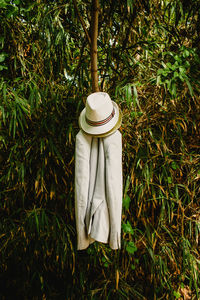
149 63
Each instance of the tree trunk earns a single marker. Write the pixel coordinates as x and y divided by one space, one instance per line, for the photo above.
94 35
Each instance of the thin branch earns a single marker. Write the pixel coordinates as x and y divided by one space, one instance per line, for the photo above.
77 68
82 22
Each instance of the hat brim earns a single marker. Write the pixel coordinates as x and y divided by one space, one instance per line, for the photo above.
104 130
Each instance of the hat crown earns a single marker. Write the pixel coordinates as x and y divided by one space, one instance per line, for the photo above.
98 106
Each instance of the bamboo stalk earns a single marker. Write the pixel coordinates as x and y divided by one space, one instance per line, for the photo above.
93 49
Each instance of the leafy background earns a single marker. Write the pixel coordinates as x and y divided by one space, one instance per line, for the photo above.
149 63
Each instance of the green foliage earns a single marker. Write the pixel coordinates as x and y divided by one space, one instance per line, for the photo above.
127 228
148 54
131 247
174 74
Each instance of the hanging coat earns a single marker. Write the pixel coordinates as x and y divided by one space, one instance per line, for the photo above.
98 189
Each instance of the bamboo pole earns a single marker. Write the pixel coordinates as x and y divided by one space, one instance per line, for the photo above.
93 49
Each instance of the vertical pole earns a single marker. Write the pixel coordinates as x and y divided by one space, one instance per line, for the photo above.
94 35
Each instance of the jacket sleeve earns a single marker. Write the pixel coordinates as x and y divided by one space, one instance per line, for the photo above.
113 151
82 159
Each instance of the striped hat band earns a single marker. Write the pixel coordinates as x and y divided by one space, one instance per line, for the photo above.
102 122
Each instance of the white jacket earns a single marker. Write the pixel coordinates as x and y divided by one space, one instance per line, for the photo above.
98 189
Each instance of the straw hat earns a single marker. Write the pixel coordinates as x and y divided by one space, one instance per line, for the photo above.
101 116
